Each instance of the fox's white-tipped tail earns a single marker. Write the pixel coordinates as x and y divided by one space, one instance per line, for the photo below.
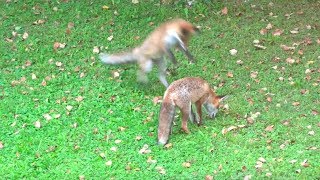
120 58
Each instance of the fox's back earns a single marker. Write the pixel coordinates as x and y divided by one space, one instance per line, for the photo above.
186 90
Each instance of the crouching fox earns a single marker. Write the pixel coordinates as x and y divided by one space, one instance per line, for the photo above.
182 93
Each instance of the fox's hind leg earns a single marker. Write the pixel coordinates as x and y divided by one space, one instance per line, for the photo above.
185 110
145 67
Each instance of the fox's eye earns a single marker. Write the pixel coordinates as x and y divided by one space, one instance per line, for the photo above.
185 31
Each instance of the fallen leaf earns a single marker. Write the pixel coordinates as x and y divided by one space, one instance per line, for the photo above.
296 103
110 38
69 107
224 11
44 83
258 46
268 174
156 100
254 74
96 49
102 155
105 7
314 112
151 161
1 145
25 36
263 31
38 22
290 60
287 48
305 163
209 177
293 161
33 76
108 163
161 170
277 32
47 117
233 52
135 1
79 98
229 75
114 149
269 99
186 164
37 124
145 149
311 133
138 138
269 128
168 145
269 26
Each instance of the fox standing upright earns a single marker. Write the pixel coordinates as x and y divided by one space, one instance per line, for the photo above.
174 33
182 93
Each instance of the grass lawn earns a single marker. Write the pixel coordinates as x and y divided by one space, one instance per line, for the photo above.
65 115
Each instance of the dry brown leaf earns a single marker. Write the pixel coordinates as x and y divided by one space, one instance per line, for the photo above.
263 31
229 75
44 83
269 26
209 177
277 32
79 98
38 22
156 100
47 117
161 170
1 145
314 112
296 103
287 48
290 60
224 11
269 128
305 163
269 99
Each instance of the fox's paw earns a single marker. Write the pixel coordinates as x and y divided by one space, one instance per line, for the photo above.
185 130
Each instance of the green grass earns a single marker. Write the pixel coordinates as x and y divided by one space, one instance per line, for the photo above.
71 144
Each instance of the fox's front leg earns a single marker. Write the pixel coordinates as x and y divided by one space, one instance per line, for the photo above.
183 47
171 56
199 111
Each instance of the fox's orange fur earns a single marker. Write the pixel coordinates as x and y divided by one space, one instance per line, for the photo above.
171 34
182 93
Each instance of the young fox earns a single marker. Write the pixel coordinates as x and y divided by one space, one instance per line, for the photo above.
182 93
174 33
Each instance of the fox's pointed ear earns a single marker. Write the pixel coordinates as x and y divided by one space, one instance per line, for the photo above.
222 98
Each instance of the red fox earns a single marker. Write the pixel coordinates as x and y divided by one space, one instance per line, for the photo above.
182 93
174 33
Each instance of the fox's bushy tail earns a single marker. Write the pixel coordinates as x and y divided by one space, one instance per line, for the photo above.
166 118
119 58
